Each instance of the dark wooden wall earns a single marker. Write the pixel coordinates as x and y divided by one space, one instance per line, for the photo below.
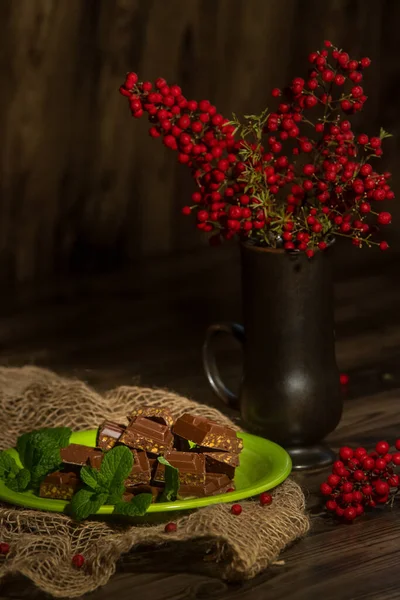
81 184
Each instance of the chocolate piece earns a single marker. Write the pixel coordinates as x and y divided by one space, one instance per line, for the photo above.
221 462
153 462
140 471
144 434
216 483
191 467
59 485
208 434
108 435
154 413
79 455
146 489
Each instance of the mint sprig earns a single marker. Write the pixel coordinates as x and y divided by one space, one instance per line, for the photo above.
137 507
171 488
39 451
14 478
103 486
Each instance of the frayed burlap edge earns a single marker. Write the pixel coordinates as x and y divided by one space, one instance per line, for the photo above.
42 543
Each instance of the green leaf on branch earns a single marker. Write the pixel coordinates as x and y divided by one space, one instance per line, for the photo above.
14 478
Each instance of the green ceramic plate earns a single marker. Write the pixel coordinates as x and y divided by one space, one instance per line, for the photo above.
263 466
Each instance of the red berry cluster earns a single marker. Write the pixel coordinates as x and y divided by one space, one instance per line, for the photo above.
280 179
361 479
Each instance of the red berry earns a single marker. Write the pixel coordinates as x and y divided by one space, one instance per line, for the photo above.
357 91
384 218
339 511
276 92
328 75
381 487
367 490
331 505
346 453
170 527
350 513
344 379
359 510
382 447
365 62
236 509
360 453
394 481
265 498
333 480
230 489
347 487
380 464
397 444
4 548
358 496
358 475
340 79
186 210
368 463
78 561
325 489
396 458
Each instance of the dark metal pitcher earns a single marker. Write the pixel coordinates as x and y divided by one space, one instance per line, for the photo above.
290 391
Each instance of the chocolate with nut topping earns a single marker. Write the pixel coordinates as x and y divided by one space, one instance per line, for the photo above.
216 483
79 455
140 471
221 462
143 434
154 413
109 434
206 433
59 485
191 467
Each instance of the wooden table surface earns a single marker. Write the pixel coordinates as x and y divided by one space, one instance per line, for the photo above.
147 326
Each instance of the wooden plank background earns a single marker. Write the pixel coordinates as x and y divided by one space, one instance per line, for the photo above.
81 184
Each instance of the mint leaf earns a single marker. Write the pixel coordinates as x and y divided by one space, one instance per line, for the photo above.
137 507
60 435
93 479
115 494
7 465
171 489
20 482
116 466
15 479
85 503
39 450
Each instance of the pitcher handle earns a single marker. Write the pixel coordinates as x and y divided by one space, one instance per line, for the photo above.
210 364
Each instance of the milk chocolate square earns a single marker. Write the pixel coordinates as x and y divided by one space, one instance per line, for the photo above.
143 434
206 433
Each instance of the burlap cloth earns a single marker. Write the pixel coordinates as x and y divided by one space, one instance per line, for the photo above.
42 543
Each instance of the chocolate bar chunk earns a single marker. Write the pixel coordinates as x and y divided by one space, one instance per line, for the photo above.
208 434
108 435
191 466
140 471
221 462
143 434
216 483
154 413
59 485
79 455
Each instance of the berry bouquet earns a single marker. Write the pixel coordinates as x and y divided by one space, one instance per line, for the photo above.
295 177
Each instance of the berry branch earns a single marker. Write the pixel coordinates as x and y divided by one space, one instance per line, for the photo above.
265 181
361 480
